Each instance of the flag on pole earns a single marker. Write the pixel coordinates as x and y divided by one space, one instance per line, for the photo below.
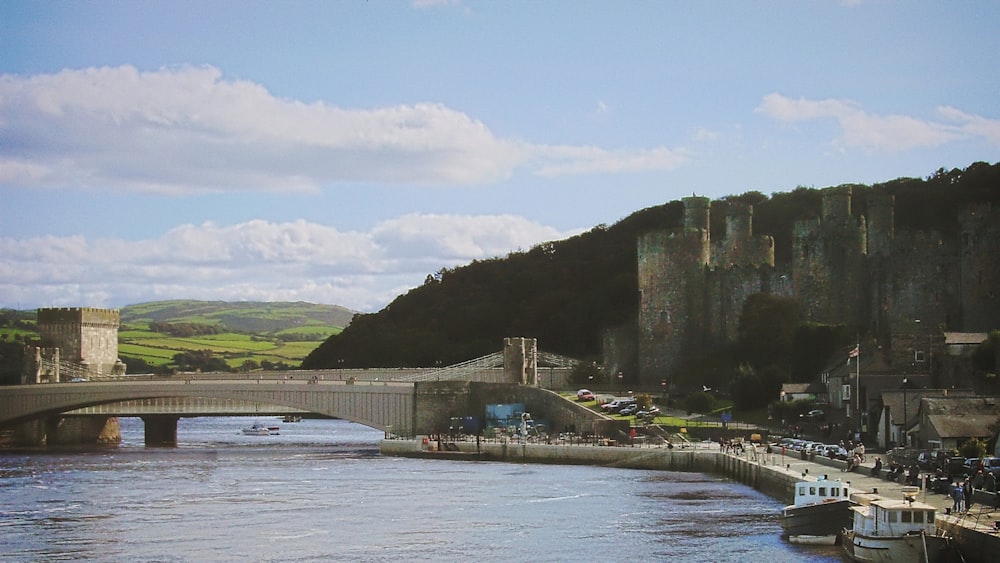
855 352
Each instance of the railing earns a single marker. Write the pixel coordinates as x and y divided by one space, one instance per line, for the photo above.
459 371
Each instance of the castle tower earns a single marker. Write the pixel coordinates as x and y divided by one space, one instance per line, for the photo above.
881 222
828 263
696 213
741 247
979 259
671 271
881 231
837 203
84 337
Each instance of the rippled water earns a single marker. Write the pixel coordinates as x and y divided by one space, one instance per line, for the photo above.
321 492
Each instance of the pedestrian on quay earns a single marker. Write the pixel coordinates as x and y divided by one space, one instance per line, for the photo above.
958 498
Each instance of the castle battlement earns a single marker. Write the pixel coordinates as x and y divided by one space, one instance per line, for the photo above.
856 272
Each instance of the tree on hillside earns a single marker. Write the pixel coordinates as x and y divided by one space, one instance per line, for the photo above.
767 329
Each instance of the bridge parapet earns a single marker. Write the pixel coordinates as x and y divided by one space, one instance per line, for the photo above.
384 405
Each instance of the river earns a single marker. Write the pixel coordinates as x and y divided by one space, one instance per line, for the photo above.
320 491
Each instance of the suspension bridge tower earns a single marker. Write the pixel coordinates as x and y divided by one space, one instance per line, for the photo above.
76 343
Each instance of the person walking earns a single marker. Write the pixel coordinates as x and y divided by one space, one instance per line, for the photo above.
958 498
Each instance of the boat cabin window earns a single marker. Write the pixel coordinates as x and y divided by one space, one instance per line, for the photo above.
907 517
802 490
822 491
812 490
893 516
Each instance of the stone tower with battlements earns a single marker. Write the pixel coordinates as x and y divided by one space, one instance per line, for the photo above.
689 287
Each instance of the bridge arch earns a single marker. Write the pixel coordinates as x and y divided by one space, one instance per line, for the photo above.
382 405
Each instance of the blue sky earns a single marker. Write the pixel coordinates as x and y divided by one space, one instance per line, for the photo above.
338 152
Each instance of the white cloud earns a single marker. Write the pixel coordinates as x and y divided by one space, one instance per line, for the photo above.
566 160
256 260
189 129
881 133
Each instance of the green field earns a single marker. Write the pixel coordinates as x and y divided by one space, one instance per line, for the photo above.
239 334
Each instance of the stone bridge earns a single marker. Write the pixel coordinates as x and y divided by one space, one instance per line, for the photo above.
37 413
389 406
400 404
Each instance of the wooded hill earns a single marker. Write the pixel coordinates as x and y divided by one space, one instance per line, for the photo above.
566 293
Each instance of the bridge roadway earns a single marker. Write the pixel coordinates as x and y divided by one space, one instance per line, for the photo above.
387 405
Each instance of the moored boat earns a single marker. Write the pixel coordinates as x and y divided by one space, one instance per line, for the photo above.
894 530
819 512
257 429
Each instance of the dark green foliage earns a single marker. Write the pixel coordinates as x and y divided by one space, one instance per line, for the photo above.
587 373
973 447
814 345
753 389
11 362
984 358
564 293
699 402
184 329
201 360
767 329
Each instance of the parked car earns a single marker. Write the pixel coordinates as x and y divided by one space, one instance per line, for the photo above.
835 451
648 412
992 465
629 410
617 405
969 466
814 414
585 395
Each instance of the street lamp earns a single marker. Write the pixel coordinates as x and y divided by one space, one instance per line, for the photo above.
906 438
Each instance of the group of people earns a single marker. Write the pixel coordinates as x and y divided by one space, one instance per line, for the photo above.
856 455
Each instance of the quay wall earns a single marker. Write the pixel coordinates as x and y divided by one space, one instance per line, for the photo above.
771 480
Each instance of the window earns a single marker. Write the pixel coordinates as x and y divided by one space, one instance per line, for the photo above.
822 491
906 517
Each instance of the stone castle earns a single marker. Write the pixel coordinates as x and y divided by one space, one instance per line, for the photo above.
900 290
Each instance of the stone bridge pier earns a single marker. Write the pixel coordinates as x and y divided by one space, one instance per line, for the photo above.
160 429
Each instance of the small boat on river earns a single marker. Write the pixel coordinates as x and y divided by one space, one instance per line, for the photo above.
258 429
819 512
895 530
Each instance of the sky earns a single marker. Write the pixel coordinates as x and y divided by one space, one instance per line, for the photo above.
339 152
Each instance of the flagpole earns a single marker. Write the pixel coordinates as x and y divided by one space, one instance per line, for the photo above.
857 378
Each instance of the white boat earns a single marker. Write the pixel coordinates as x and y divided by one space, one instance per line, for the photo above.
819 512
258 429
895 530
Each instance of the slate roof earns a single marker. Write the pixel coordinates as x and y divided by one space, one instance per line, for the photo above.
976 425
958 417
965 338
